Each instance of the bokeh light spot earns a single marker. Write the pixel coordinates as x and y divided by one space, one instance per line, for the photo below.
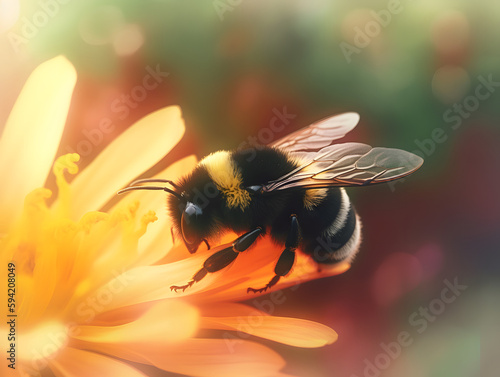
450 84
43 342
398 274
356 20
451 32
9 14
127 40
431 258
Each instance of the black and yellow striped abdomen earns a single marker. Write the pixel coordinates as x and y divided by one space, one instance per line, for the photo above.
330 228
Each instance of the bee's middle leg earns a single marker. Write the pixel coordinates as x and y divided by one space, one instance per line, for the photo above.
287 257
222 258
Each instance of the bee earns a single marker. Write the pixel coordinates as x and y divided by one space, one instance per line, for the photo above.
292 190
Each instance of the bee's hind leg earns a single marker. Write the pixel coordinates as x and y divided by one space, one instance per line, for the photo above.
287 257
222 258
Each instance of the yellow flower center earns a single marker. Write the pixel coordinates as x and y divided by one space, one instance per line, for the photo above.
61 265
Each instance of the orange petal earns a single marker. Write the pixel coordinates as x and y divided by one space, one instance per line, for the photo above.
166 322
77 363
253 268
150 283
247 319
220 358
229 309
202 357
291 331
122 315
31 136
116 165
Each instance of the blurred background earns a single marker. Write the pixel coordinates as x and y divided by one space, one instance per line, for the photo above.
425 77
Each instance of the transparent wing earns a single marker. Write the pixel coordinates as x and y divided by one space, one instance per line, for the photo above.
319 134
347 164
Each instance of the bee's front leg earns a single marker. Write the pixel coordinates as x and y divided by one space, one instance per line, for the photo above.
287 257
222 258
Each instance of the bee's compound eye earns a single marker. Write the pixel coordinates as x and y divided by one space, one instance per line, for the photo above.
189 218
254 189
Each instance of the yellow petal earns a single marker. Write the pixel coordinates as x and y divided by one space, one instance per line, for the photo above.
202 357
166 322
32 134
77 363
133 152
291 331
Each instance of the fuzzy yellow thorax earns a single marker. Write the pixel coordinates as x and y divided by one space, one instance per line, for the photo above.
224 172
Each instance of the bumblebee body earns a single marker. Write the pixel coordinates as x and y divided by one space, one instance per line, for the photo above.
225 185
292 190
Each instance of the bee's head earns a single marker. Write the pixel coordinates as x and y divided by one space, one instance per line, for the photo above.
195 210
190 204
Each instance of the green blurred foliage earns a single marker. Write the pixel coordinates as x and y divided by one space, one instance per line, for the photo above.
288 53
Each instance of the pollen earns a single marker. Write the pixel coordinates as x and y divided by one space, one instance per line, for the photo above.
65 163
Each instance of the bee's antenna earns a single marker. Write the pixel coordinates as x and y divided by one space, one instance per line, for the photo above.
150 180
131 188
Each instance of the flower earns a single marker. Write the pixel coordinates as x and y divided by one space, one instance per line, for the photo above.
90 289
